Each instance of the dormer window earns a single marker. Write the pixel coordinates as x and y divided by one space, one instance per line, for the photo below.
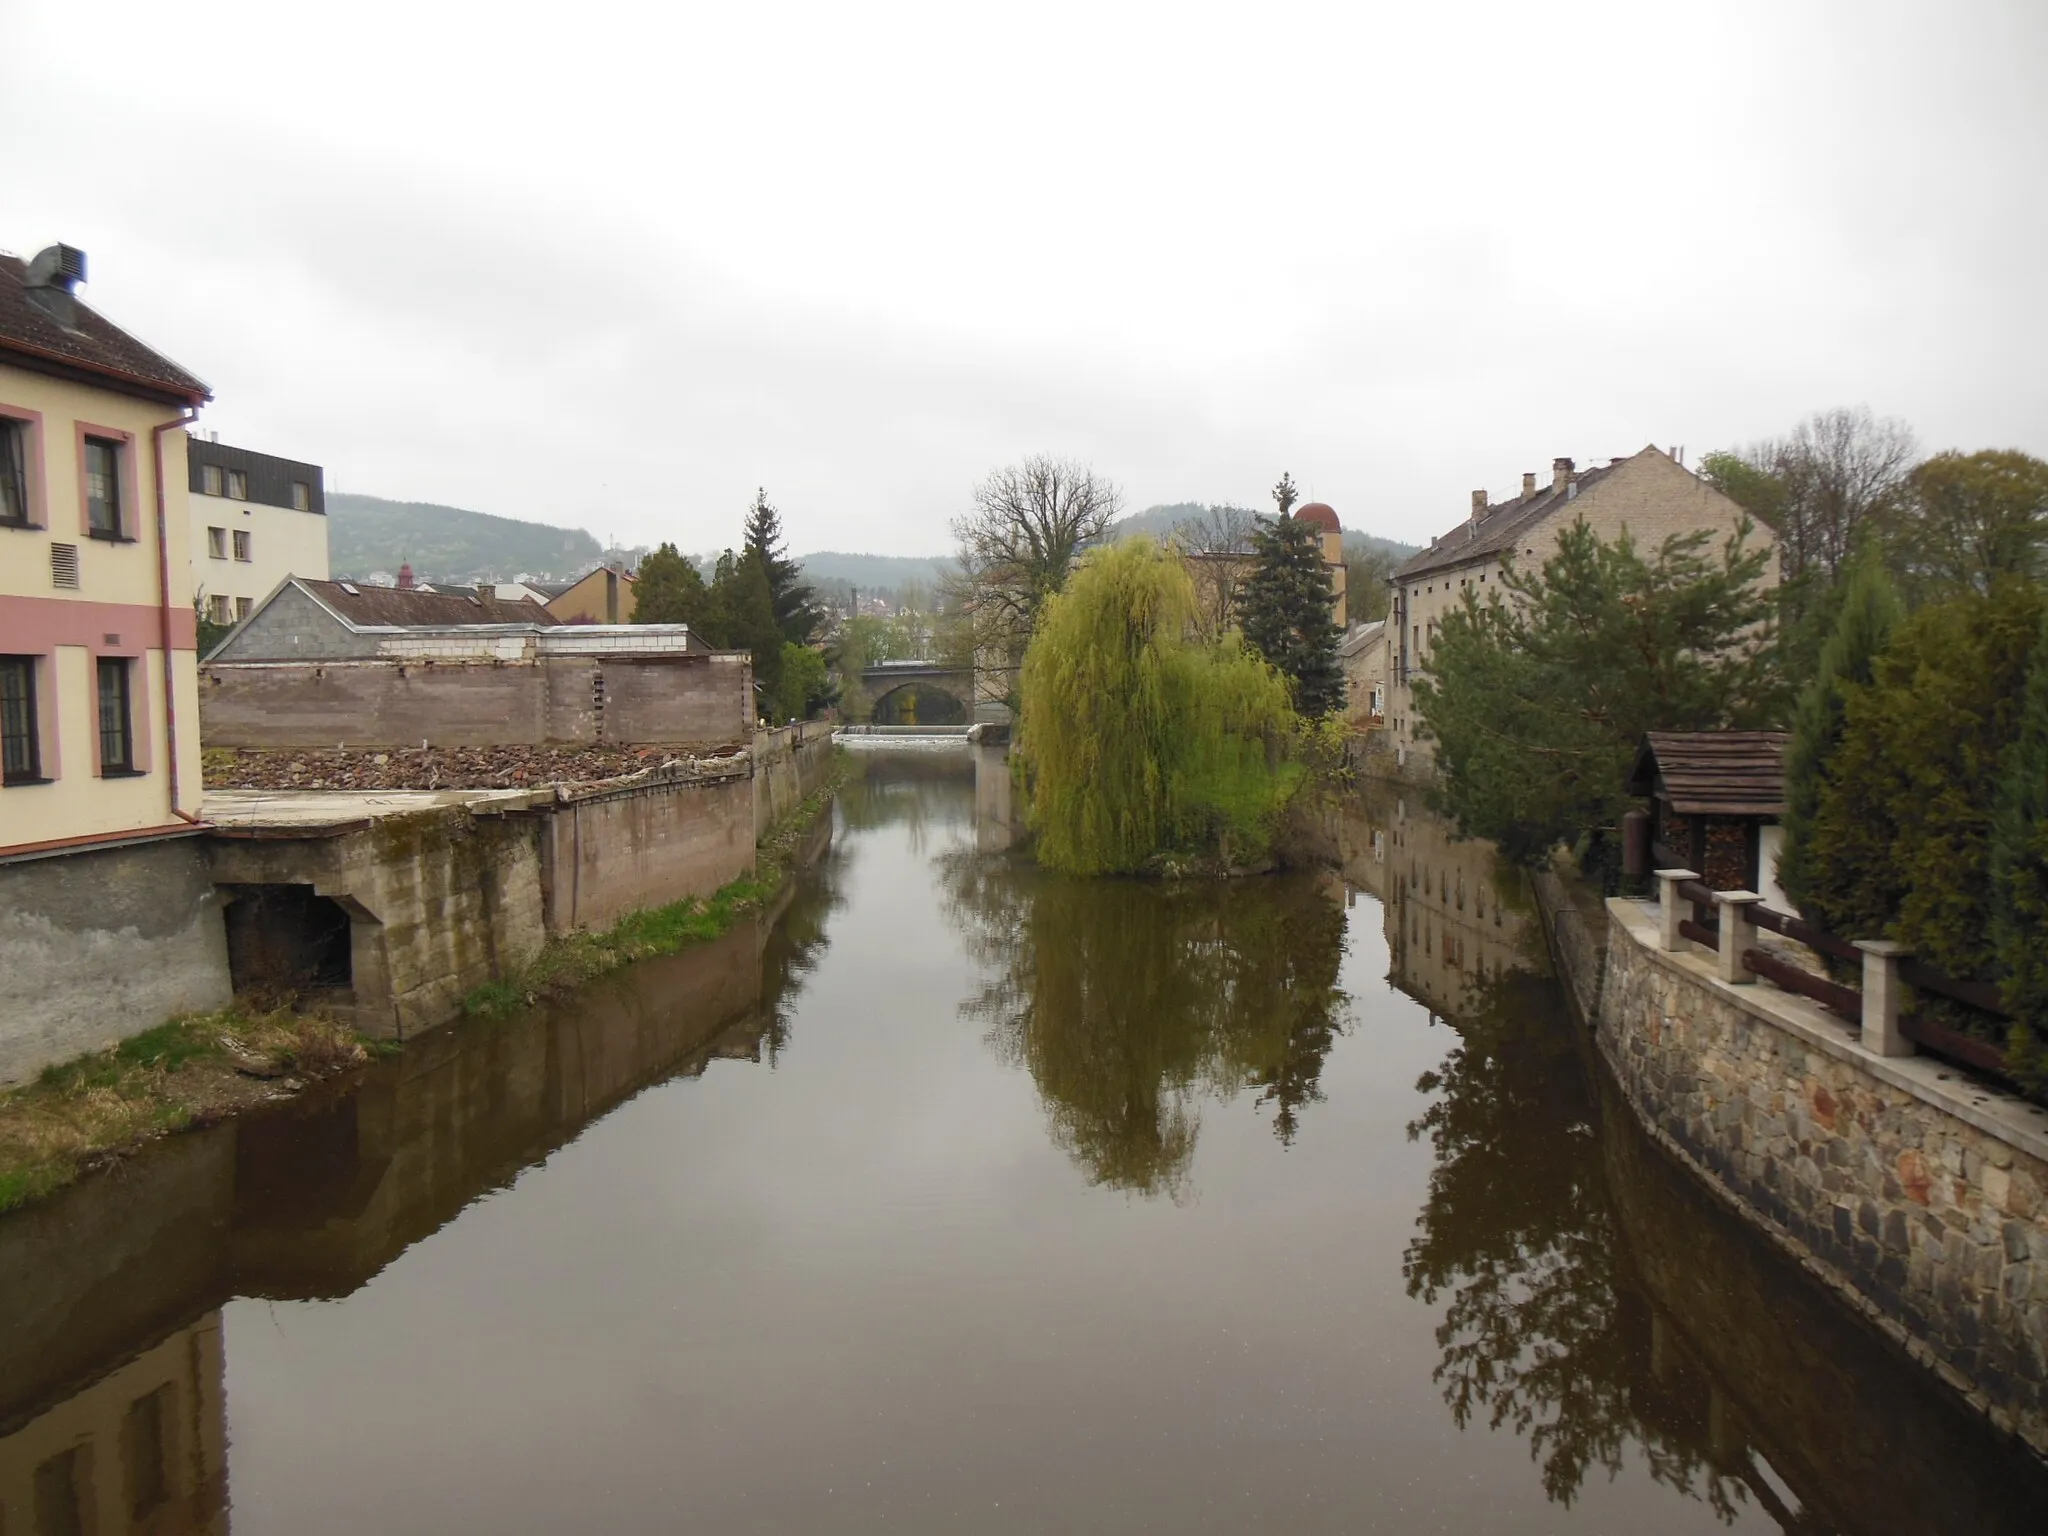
210 480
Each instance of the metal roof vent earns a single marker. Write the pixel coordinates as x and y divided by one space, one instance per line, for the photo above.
55 271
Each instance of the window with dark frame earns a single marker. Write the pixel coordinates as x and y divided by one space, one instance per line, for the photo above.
238 484
21 758
13 473
209 480
117 736
103 488
302 496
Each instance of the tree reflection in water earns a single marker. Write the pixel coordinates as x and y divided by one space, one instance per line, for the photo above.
1130 1001
1543 1332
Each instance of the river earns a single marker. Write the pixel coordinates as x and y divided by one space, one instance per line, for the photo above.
957 1197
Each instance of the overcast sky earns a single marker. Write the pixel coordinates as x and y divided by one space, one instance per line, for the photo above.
616 265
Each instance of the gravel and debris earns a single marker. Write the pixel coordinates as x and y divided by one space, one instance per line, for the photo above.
440 767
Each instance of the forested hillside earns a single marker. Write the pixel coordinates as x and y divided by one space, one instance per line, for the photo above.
451 544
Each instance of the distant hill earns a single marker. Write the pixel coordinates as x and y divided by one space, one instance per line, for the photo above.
1170 515
873 573
451 544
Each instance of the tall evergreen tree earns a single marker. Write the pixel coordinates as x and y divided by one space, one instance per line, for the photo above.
739 615
796 608
1869 612
1287 605
2019 878
668 590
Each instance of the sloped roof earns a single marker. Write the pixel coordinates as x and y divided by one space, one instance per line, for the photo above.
1714 773
1499 529
374 606
96 346
1361 637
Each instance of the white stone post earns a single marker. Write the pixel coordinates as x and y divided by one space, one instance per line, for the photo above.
1738 935
1882 990
1671 907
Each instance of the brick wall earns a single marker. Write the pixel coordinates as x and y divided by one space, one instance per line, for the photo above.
1919 1196
693 700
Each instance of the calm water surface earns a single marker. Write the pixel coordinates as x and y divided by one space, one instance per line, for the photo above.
964 1198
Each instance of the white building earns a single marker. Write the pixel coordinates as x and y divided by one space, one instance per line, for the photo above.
256 520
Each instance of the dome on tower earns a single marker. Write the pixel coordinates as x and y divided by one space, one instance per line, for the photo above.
1319 514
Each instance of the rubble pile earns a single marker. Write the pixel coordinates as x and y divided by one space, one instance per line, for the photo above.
512 767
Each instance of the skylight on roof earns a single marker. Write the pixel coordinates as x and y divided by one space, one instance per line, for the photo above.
350 588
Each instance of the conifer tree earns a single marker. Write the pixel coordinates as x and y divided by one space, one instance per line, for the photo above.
740 616
1870 610
794 602
2019 879
1286 606
668 590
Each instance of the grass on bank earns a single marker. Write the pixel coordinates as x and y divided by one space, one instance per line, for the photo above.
193 1070
570 960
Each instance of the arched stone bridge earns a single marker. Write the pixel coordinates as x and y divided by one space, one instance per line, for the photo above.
912 693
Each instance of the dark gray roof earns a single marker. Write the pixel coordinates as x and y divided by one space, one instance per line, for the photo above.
1497 531
397 605
95 347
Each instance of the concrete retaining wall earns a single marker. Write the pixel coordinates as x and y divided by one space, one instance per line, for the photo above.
554 700
440 902
98 946
1918 1194
611 852
789 764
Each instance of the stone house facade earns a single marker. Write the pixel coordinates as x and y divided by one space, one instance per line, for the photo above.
1650 495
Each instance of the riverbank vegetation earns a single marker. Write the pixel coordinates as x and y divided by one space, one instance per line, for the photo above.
196 1069
1144 744
572 959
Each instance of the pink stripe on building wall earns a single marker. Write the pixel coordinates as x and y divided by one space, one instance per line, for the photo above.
30 626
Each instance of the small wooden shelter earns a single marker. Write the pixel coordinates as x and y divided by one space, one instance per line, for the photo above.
1715 802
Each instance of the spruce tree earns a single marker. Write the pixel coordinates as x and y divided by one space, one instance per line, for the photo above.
1286 606
794 602
668 590
1869 612
740 616
2019 879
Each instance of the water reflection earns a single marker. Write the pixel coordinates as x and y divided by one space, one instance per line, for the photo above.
1130 1002
1508 1310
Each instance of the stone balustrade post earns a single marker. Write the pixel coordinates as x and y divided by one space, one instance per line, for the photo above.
1882 993
1671 907
1738 935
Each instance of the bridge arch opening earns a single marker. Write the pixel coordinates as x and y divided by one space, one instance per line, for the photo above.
920 704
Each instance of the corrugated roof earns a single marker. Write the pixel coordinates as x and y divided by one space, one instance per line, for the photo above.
1498 530
95 345
1714 773
396 605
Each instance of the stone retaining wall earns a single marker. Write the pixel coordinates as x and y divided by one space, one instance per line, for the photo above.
1921 1195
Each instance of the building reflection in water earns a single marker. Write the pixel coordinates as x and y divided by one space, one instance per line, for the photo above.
142 1449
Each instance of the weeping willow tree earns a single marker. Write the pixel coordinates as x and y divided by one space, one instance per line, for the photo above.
1141 740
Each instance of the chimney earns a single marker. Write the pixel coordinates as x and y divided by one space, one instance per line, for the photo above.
1560 474
50 279
1479 506
1528 483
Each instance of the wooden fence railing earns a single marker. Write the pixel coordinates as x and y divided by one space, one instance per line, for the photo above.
1876 1013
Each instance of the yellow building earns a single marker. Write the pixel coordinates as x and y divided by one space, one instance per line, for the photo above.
99 703
1220 574
604 596
256 520
1649 495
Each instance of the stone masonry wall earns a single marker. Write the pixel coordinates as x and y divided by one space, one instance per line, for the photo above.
1895 1180
619 851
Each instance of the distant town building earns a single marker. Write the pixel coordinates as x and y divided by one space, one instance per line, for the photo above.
1650 495
1220 574
1363 653
256 519
602 596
